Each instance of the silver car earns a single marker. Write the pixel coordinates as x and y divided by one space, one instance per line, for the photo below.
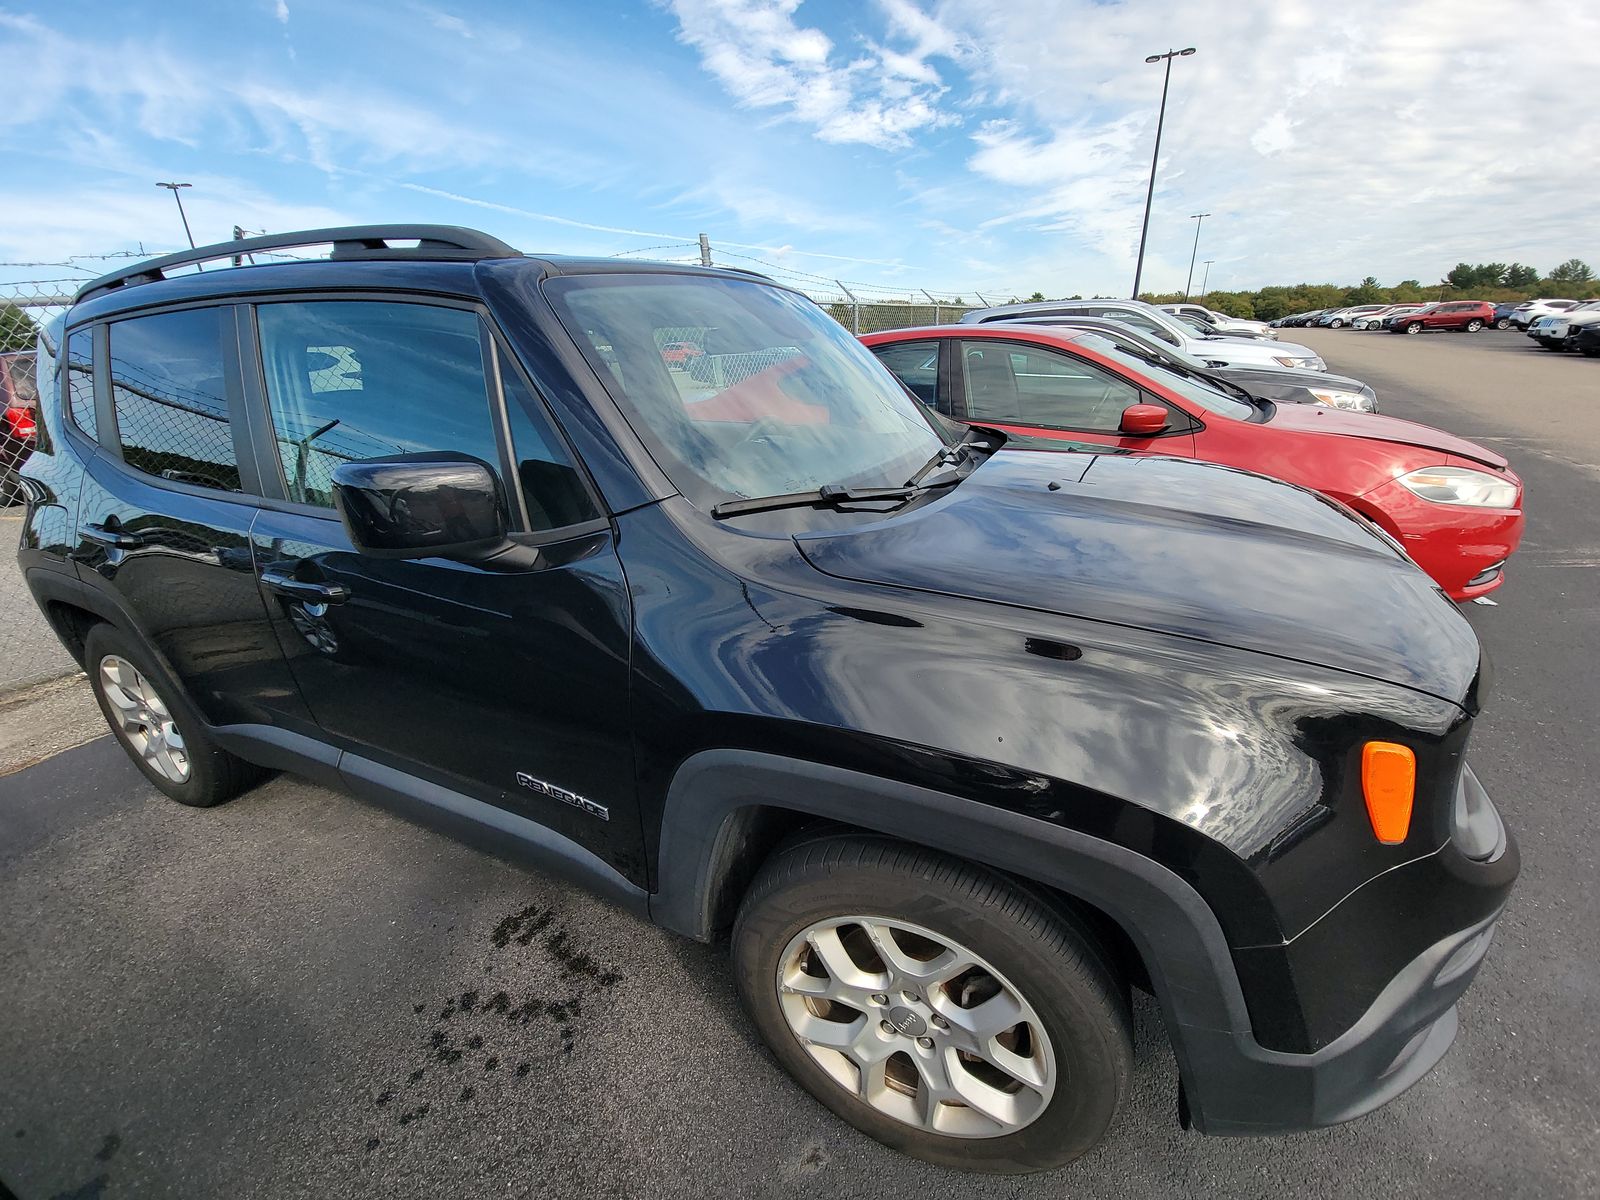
1218 351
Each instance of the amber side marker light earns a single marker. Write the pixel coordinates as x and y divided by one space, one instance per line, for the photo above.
1389 781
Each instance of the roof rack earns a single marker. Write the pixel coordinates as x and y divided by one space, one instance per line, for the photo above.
449 243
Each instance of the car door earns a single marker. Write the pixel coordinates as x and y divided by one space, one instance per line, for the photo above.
1032 389
508 684
166 506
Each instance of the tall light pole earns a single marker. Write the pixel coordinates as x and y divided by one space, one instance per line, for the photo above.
1149 195
1199 219
1206 278
173 188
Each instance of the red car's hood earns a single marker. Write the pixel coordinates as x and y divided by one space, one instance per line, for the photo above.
1313 418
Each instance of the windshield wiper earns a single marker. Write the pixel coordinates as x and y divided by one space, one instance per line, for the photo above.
830 493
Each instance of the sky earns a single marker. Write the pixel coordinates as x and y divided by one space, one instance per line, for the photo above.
963 148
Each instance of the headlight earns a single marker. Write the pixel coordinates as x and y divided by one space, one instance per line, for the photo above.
1460 485
1354 401
1307 364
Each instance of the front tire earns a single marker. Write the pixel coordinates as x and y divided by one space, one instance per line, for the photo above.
1503 323
156 725
933 1004
1414 327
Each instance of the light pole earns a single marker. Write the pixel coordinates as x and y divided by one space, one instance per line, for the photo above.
1206 278
1149 195
1199 219
173 188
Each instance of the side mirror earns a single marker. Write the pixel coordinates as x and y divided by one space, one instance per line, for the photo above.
436 505
1143 420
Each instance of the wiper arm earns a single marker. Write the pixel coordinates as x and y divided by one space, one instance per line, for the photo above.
829 494
949 456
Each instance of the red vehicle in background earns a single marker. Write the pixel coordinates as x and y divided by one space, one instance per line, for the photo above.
1467 315
1455 507
19 396
679 354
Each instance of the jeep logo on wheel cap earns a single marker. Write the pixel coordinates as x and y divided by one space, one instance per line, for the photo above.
907 1022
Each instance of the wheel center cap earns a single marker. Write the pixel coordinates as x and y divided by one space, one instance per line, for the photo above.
906 1022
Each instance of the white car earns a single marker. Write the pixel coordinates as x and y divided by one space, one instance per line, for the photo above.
1348 316
1147 318
1529 311
1223 322
1553 331
1375 320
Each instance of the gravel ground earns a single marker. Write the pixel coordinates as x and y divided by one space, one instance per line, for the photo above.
298 995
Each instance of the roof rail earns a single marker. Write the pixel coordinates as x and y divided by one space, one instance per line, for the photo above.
451 243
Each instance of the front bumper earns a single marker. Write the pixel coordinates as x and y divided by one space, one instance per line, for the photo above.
1401 1037
1455 544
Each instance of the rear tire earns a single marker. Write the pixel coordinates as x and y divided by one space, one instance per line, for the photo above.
156 725
1474 325
886 928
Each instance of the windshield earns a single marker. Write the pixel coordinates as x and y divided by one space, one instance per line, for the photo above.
776 397
1206 396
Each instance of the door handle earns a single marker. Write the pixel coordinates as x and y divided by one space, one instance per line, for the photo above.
304 590
114 538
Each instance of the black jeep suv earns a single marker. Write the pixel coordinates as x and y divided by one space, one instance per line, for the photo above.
956 739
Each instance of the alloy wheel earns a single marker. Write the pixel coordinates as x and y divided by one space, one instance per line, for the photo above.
143 718
919 1027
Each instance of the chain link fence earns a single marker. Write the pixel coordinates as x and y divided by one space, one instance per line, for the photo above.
23 308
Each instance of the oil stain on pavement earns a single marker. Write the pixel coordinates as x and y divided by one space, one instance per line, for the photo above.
482 1041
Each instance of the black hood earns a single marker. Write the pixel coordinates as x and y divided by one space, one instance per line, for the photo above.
1174 546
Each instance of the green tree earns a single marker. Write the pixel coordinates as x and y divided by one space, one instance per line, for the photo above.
1035 298
1574 270
1521 278
17 328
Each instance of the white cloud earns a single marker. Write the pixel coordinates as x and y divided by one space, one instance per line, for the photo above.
1330 142
280 10
877 96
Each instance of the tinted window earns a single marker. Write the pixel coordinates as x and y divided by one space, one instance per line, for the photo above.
1195 390
80 380
1139 321
915 364
1029 385
168 388
551 485
350 380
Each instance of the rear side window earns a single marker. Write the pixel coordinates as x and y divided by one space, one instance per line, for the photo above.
915 364
169 390
80 381
353 379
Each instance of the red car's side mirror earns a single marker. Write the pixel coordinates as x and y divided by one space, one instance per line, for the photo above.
1143 420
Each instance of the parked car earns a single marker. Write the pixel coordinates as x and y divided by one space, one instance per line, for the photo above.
1529 311
1218 351
1455 506
1221 322
1339 317
18 425
1375 320
1503 313
959 740
678 354
1559 331
1467 316
1206 329
1283 385
1588 342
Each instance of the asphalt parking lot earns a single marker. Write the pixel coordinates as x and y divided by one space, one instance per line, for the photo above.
298 995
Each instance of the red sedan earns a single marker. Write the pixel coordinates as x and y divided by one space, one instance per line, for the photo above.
1455 506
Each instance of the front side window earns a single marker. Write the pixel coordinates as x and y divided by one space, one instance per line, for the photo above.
355 379
1194 390
80 381
1029 385
168 387
551 486
781 398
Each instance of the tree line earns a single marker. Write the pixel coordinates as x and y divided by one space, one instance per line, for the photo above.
1495 282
